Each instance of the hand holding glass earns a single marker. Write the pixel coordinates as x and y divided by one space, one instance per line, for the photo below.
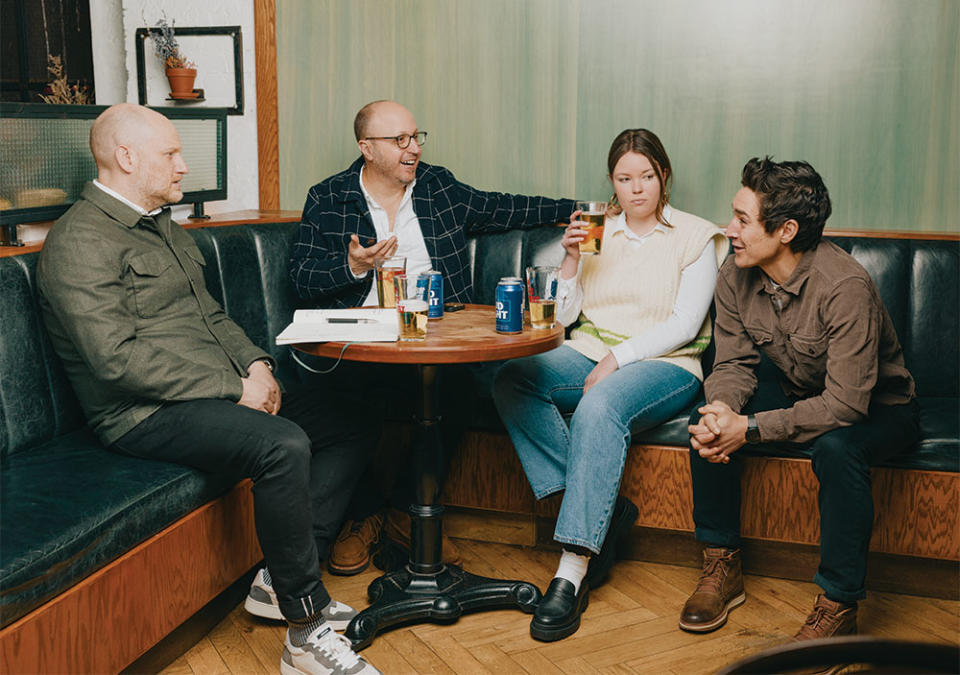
542 295
592 214
411 301
385 270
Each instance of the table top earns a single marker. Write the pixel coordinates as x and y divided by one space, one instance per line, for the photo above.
467 336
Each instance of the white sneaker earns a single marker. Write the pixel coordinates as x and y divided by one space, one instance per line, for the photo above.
324 653
262 601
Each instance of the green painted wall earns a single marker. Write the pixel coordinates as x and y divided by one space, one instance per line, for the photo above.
526 95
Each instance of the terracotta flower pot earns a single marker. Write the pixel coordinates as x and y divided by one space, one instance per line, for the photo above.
181 81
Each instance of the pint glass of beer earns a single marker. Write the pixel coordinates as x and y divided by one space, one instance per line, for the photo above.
411 302
592 215
385 270
542 295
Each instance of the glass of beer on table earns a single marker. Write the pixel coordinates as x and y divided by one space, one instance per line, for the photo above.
542 295
385 269
411 301
592 215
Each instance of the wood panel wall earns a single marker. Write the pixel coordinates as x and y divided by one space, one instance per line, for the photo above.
917 512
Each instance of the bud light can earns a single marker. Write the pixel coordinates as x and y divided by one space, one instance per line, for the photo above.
509 300
435 295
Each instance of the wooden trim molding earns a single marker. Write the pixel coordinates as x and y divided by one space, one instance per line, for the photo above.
268 142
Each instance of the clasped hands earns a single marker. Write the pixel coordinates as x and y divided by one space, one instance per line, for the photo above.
719 433
260 389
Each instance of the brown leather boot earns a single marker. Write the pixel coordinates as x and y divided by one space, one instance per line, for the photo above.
352 549
828 619
719 590
397 529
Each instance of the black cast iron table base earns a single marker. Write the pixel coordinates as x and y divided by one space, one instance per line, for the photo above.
404 596
426 589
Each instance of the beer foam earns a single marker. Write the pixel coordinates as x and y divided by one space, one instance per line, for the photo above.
412 305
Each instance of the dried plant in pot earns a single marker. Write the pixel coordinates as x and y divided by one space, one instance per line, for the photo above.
181 73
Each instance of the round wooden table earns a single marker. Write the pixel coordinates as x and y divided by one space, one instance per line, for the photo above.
427 589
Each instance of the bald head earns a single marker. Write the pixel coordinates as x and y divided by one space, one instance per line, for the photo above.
124 124
137 151
372 112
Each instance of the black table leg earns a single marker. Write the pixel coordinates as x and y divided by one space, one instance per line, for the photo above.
427 589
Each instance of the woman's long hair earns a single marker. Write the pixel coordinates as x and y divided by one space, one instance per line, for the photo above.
646 143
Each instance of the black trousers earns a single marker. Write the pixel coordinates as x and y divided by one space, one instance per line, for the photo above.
304 464
841 461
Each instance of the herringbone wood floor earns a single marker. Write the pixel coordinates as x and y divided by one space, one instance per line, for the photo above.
629 627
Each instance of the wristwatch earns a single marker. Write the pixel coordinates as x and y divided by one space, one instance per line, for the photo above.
265 362
753 431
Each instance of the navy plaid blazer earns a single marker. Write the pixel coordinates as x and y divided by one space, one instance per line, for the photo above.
447 210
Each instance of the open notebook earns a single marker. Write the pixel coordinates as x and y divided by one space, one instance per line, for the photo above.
327 325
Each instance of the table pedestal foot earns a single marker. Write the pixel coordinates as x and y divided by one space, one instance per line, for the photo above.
404 596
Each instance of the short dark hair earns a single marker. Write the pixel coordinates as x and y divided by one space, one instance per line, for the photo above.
643 142
362 119
789 190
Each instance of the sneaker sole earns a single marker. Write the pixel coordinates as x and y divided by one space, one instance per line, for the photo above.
262 609
716 623
268 611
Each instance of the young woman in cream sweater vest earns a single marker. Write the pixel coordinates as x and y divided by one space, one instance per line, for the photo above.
640 324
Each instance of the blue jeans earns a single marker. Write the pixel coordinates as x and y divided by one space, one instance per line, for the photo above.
532 395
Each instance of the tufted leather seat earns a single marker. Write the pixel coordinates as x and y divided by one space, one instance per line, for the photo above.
68 506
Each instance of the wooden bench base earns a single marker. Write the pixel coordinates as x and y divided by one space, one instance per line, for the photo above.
109 619
915 546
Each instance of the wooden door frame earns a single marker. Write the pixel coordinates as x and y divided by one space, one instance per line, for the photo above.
268 141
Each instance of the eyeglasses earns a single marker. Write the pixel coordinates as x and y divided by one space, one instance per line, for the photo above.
402 140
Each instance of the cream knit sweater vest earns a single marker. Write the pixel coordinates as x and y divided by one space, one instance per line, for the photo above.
628 289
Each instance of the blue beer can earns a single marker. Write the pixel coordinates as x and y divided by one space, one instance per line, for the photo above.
509 301
435 295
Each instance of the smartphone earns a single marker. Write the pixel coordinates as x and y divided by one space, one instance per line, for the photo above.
452 306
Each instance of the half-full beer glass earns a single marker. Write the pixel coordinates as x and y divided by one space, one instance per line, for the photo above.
411 301
542 295
592 215
385 269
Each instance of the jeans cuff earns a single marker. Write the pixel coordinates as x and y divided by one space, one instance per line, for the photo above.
718 538
306 608
592 546
543 493
833 592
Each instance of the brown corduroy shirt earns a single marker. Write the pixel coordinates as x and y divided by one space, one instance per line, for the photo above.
125 303
827 331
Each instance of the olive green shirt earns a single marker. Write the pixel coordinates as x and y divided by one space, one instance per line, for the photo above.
825 328
125 304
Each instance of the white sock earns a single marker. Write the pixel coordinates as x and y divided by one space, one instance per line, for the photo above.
573 568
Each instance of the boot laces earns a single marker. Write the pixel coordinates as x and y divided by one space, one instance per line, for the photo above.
822 621
713 575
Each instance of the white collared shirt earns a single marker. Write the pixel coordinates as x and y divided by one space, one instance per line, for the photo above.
410 242
694 296
116 195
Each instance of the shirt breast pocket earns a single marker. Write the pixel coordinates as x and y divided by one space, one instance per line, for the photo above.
809 352
153 283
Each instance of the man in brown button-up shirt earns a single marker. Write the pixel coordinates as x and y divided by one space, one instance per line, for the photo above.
163 373
842 390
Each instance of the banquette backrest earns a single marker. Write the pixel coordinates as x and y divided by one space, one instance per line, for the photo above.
246 270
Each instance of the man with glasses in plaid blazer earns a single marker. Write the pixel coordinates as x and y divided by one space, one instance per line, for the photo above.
390 203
